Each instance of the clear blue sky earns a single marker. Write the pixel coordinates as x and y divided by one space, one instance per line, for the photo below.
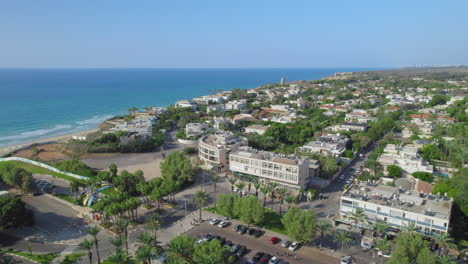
232 33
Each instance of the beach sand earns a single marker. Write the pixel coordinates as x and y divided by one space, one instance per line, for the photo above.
7 149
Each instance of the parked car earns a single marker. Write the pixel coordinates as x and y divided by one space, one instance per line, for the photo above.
286 243
214 221
257 256
385 254
234 248
294 246
250 231
274 240
242 230
257 233
274 260
346 260
220 239
223 224
237 227
228 244
207 237
265 258
241 251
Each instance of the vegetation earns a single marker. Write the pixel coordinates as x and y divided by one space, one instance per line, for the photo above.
72 258
18 178
13 213
74 166
40 258
394 171
33 169
300 224
425 176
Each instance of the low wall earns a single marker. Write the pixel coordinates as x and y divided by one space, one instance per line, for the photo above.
188 142
39 164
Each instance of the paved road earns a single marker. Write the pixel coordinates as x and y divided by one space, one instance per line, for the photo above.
303 255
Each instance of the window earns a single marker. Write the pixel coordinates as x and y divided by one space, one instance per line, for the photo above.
346 202
379 209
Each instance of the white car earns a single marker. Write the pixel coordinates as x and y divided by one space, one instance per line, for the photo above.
223 224
294 246
346 260
236 189
214 221
383 254
274 260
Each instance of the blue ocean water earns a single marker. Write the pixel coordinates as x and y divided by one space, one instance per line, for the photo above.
40 103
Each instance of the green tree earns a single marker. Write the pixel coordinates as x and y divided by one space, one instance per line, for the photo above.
300 224
265 191
122 229
445 259
177 168
212 252
343 238
324 229
240 186
87 245
215 179
380 227
409 247
94 231
281 196
13 213
181 248
394 171
199 200
232 181
149 247
153 223
249 210
289 200
257 186
113 170
383 245
444 242
226 204
357 217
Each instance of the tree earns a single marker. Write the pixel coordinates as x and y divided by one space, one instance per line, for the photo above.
94 231
181 248
177 167
409 247
281 195
249 179
380 227
226 204
444 242
357 217
289 200
153 223
113 170
249 210
232 181
344 238
265 191
122 228
383 246
257 186
74 187
149 247
240 186
445 259
299 224
87 245
394 171
324 229
212 252
200 199
13 213
215 179
120 257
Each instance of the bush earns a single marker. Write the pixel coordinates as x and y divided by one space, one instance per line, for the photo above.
394 171
74 166
13 213
348 154
425 176
189 151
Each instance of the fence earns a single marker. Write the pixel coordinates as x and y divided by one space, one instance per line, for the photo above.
39 164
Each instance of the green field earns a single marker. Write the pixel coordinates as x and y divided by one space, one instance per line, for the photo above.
35 169
41 258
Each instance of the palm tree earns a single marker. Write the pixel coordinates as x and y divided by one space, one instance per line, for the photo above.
344 238
200 199
87 245
144 254
357 216
273 186
281 195
240 186
215 179
74 187
445 259
289 200
119 257
249 179
380 227
265 191
232 181
410 229
94 232
383 245
122 227
444 241
149 247
113 170
324 229
153 223
118 242
257 187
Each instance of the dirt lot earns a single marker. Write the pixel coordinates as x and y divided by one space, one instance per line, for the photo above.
49 152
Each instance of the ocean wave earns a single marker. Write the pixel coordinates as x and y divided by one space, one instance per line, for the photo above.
95 120
36 133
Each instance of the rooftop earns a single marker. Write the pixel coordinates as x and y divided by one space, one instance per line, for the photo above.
270 156
427 204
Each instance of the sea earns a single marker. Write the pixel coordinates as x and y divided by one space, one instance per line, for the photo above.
41 103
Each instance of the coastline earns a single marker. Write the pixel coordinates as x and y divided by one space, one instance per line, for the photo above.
55 139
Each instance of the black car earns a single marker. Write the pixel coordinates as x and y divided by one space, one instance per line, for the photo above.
235 248
227 243
257 233
220 239
242 251
242 230
238 227
250 231
257 256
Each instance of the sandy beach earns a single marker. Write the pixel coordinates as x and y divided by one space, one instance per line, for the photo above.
7 149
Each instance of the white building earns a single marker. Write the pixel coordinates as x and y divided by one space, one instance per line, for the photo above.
195 129
186 103
330 144
406 157
214 108
209 99
214 149
287 171
235 105
357 127
259 129
397 207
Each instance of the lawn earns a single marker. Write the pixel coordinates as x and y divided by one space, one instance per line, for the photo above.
272 221
35 169
72 258
41 258
66 197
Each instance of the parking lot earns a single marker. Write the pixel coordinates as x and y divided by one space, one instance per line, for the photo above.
254 245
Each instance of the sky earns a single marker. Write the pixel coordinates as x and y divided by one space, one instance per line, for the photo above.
232 34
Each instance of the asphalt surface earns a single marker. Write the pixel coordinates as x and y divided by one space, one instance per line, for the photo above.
254 245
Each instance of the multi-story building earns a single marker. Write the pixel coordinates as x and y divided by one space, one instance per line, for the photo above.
287 171
186 103
349 127
330 144
235 105
214 149
406 157
397 207
195 129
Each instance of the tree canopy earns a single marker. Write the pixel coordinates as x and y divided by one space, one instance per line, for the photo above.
300 224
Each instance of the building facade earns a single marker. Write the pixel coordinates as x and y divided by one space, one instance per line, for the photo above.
214 149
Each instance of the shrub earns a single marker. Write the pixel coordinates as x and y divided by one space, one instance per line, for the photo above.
425 176
394 171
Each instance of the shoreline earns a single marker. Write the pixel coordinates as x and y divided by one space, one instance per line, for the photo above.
54 139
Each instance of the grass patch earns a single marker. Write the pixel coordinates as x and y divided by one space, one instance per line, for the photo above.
72 258
66 197
35 169
272 220
130 262
41 258
109 191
